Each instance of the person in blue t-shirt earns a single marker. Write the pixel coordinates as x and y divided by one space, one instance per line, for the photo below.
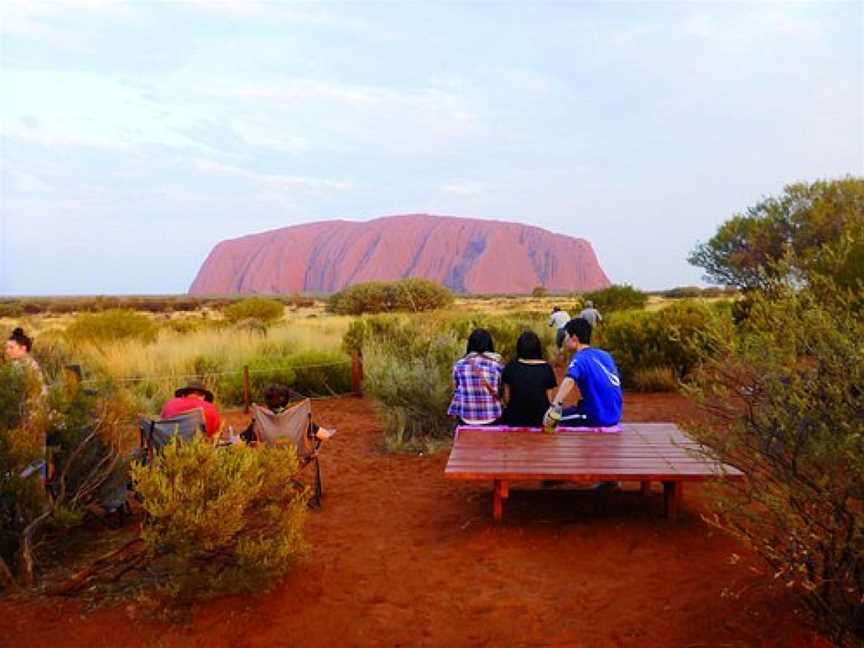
594 371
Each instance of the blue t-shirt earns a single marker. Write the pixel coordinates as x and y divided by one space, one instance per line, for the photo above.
599 382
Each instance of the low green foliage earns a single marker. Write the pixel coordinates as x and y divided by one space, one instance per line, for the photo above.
409 361
654 379
785 400
672 338
112 324
221 520
616 298
261 309
412 295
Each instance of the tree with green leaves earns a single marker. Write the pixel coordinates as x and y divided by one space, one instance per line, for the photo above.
815 228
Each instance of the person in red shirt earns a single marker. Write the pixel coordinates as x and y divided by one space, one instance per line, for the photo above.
194 396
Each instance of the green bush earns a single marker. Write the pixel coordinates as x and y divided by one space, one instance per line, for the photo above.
617 298
408 364
255 308
675 337
312 373
221 520
412 393
413 295
654 379
785 405
112 324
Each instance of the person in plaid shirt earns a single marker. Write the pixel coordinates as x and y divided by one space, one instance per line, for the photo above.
477 380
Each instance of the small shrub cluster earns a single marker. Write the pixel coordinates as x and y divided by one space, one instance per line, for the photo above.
785 405
256 309
695 292
413 295
617 298
408 366
111 325
221 520
648 344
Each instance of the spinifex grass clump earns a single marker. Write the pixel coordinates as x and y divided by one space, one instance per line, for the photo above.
111 325
220 520
785 399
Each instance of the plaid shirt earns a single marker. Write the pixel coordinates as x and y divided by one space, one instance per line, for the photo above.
472 401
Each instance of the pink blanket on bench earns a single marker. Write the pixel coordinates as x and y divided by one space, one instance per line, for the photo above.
613 429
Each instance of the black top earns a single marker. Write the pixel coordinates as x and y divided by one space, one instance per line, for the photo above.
528 400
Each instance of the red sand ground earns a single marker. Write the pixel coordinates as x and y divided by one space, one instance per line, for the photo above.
401 557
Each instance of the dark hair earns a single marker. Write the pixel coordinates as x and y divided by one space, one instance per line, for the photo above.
480 341
19 337
579 328
528 346
276 396
555 309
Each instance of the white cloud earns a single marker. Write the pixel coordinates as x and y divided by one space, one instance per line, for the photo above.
288 182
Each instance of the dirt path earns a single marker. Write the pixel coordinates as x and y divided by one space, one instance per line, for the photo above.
401 557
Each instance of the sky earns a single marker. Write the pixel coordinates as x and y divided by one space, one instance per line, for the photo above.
134 136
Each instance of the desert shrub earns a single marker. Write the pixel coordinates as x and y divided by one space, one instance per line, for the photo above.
408 363
616 298
785 404
84 435
413 295
412 391
52 352
654 379
112 324
675 337
313 373
221 520
683 292
255 308
11 309
539 291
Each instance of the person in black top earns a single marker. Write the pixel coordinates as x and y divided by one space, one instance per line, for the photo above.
526 383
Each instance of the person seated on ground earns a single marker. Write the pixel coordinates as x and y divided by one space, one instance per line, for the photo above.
596 374
477 382
559 318
278 398
194 396
527 381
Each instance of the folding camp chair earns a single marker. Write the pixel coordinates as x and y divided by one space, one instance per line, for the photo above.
156 433
292 426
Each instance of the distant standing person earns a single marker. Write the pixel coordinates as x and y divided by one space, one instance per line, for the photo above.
18 348
527 381
477 382
559 319
591 314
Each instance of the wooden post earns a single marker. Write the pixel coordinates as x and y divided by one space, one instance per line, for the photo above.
357 373
500 492
646 487
246 389
672 494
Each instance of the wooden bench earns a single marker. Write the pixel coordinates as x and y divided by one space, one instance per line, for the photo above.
644 452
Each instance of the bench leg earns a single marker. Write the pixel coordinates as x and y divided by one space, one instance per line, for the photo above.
500 492
673 493
646 488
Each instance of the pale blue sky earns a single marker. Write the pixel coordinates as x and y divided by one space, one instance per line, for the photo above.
136 135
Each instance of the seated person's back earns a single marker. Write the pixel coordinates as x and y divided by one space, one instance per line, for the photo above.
595 373
527 381
194 396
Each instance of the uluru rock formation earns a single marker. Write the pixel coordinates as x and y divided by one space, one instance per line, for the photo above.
467 255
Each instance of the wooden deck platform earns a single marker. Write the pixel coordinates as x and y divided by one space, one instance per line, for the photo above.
643 452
